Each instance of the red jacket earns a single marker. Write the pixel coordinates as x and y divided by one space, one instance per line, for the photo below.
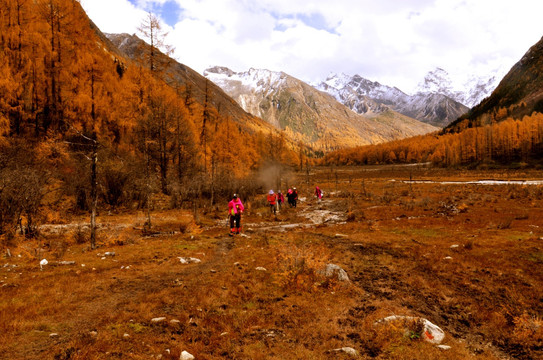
272 198
235 206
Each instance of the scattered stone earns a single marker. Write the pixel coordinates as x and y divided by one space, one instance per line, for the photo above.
260 268
93 334
347 350
185 355
126 335
455 246
43 262
66 262
333 270
109 253
158 319
189 260
447 258
341 236
213 271
174 321
444 347
224 333
431 332
54 335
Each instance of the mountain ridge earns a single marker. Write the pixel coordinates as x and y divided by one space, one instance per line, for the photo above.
309 115
362 95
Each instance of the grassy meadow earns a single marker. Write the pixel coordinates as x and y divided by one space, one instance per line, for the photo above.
413 241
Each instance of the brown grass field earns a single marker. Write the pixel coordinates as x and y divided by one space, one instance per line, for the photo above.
467 257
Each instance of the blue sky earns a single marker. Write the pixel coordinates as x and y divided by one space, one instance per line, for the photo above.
395 42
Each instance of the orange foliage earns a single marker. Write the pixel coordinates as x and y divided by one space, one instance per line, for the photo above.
59 80
508 140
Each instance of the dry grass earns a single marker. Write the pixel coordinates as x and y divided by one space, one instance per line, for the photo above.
466 257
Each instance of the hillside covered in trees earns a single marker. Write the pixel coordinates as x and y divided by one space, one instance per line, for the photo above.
82 126
505 128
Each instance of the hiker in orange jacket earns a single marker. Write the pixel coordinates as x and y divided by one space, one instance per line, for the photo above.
272 200
235 208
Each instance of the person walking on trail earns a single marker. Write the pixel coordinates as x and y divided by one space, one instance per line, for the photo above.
318 193
272 202
292 197
235 208
280 199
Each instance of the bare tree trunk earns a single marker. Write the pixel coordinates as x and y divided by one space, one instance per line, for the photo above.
94 197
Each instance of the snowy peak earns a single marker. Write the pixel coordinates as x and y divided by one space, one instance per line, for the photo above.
253 80
470 91
437 81
429 105
314 117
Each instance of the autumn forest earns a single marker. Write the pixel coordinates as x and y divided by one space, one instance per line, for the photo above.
85 126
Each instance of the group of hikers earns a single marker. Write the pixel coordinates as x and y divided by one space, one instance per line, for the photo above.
275 200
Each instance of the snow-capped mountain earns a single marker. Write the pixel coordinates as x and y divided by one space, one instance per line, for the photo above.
311 116
362 95
469 92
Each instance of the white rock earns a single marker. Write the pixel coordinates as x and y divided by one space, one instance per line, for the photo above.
455 246
444 347
175 321
53 335
447 258
189 260
333 270
158 319
185 355
44 262
109 253
126 335
347 350
431 332
260 268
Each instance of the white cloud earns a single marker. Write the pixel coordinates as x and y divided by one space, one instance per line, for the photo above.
393 42
114 16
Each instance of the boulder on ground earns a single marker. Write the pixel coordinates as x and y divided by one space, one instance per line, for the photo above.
334 271
430 332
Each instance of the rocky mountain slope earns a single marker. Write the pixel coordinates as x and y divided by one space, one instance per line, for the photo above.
311 116
519 93
361 95
191 83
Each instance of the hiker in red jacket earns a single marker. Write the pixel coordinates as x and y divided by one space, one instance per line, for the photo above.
235 208
318 193
272 200
280 199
